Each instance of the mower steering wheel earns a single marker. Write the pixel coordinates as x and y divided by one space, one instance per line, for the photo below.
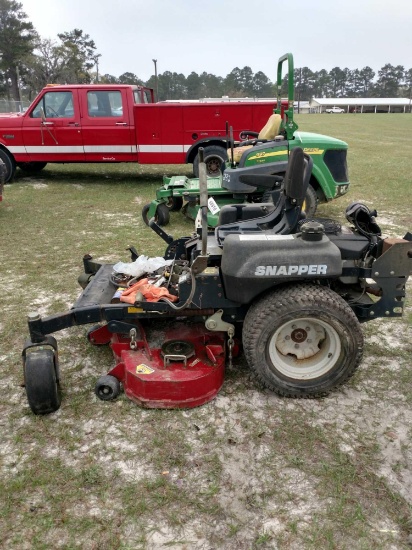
247 134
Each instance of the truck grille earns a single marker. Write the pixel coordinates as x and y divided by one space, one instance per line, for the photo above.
335 160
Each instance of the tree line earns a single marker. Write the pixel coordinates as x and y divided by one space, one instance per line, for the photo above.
29 62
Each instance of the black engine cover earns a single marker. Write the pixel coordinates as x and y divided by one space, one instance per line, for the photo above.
254 263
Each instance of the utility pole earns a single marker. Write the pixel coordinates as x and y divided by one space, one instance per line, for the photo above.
299 89
18 88
156 80
96 60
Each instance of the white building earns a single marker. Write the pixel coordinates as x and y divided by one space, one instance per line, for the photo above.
362 104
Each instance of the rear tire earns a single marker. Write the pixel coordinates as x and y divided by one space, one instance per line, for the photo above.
214 156
311 202
41 381
10 165
302 340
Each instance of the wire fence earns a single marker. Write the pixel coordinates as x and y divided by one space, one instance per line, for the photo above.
12 106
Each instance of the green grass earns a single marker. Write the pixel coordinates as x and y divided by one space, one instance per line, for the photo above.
380 149
246 471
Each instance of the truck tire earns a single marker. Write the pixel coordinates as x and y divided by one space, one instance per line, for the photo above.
9 163
162 216
214 156
302 340
311 202
31 167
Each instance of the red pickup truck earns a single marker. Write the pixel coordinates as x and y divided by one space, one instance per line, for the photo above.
121 123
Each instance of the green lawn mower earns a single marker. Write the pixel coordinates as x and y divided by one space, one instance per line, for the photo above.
253 167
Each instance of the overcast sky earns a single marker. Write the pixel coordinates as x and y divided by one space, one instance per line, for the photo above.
217 35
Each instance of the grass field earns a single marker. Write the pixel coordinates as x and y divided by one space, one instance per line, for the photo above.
249 470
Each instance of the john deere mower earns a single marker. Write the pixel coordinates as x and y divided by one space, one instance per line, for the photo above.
258 155
292 291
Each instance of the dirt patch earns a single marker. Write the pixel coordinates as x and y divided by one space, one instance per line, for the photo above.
248 470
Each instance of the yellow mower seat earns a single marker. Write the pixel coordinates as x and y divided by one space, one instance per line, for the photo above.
269 131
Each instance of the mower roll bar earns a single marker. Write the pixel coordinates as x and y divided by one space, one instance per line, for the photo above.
288 123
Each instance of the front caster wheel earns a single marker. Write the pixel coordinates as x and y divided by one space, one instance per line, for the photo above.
107 388
162 215
302 341
41 381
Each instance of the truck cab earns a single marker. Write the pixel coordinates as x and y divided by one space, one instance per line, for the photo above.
75 123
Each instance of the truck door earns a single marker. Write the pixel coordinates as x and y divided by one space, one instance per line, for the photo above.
52 130
106 126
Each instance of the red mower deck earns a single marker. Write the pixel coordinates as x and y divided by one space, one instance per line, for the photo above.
175 367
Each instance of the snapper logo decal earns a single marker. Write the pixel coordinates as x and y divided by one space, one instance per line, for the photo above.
290 270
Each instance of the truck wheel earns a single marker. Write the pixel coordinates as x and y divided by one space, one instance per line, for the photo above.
41 381
302 341
310 204
9 163
162 216
107 388
31 167
214 156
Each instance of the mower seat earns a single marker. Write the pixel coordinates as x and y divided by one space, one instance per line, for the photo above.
281 218
268 133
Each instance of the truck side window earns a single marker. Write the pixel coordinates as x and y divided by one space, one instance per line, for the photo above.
54 105
142 96
104 104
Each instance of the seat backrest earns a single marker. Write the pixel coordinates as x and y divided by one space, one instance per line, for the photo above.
268 133
271 129
297 175
283 217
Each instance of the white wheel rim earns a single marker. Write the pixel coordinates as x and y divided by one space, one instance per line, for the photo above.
304 348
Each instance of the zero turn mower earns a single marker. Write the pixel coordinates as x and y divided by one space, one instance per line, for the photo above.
293 291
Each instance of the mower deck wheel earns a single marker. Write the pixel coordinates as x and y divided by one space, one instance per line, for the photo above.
41 381
107 388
